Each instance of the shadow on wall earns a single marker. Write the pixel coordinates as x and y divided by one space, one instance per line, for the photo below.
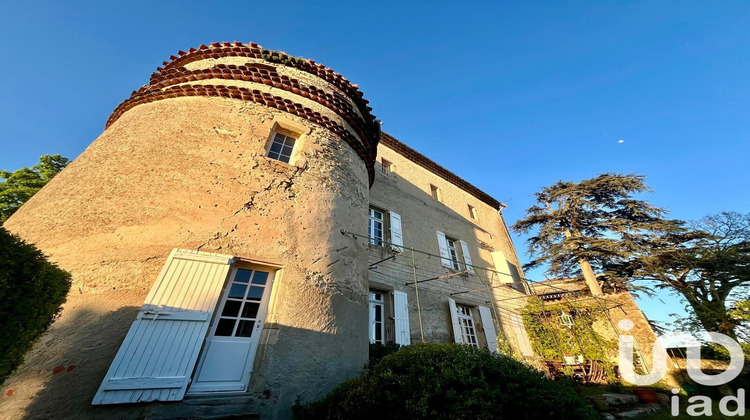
56 381
60 380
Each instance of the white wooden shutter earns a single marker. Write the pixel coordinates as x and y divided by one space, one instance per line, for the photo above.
467 256
158 355
501 266
372 323
445 256
401 316
489 328
454 320
521 336
397 238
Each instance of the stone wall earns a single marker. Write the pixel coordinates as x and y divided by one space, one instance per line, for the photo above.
406 190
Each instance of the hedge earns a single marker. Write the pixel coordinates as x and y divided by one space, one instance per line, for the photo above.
31 292
449 381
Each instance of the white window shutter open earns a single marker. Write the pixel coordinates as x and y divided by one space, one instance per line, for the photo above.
445 256
158 355
489 328
397 237
401 316
501 266
521 336
467 256
454 321
372 323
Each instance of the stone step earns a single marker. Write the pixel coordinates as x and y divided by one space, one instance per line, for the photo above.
617 400
637 412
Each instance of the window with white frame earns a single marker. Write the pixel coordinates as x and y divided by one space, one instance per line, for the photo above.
449 253
466 325
376 227
453 252
282 146
377 317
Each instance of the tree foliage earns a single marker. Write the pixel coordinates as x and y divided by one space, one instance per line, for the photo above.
31 292
585 229
708 264
596 230
20 185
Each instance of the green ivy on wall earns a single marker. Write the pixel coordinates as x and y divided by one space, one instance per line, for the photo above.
566 329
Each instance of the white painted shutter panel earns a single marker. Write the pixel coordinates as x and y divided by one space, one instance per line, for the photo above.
467 256
372 323
521 336
401 315
158 355
454 321
397 238
489 328
501 266
445 256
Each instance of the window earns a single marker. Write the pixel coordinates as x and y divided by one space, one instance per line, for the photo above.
385 167
449 256
376 227
281 147
473 212
240 310
377 317
466 325
453 253
436 194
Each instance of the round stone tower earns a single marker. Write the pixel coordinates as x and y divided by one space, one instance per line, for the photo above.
189 161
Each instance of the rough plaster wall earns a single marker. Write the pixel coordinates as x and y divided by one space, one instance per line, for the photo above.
406 191
641 331
412 184
192 173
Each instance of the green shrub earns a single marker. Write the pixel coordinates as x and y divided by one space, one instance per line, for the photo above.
449 381
31 292
379 351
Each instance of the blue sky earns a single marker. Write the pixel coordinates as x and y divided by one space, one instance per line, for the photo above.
512 96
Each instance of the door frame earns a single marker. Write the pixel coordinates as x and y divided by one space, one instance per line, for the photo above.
268 294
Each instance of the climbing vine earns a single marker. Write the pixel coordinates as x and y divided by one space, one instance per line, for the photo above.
562 329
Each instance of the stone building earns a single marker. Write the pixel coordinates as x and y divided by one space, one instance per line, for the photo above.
239 234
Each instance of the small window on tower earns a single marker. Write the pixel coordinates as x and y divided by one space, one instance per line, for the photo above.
281 147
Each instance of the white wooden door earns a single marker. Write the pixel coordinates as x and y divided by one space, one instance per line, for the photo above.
229 351
158 354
